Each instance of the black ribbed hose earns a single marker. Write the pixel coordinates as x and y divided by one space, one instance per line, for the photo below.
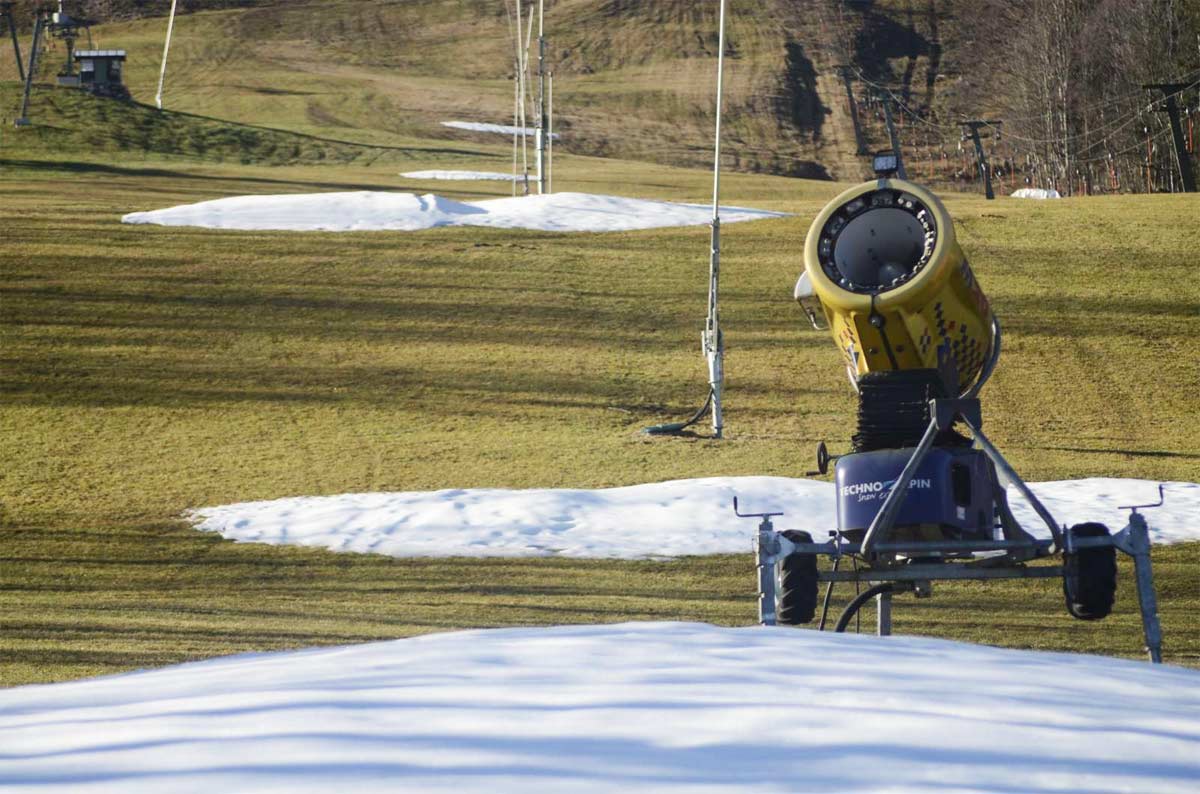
860 599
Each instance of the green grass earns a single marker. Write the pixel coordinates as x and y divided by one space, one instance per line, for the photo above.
89 602
75 123
150 370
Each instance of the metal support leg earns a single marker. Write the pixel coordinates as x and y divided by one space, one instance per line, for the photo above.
765 552
1134 540
1011 476
883 614
23 120
886 516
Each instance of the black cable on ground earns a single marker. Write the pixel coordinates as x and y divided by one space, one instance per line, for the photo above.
857 604
671 428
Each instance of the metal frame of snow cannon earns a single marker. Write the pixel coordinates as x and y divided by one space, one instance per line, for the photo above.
890 563
918 500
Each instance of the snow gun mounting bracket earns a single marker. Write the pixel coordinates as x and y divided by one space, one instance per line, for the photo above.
788 575
923 494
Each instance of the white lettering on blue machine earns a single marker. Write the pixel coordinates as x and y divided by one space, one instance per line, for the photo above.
860 488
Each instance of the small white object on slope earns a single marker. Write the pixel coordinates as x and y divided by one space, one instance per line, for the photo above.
655 707
668 519
383 211
462 175
1035 193
478 126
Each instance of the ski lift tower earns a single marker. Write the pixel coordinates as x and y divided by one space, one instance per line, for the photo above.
60 25
68 28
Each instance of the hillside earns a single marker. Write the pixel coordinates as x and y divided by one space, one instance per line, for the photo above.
77 126
634 79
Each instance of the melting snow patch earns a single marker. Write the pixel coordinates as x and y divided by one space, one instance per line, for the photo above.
461 175
1035 193
476 126
669 519
383 211
661 707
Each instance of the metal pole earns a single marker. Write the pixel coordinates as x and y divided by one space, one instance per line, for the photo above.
765 551
162 74
859 142
542 131
12 31
23 119
882 523
516 125
520 123
893 137
1139 536
984 170
1008 476
712 342
550 137
883 614
1170 91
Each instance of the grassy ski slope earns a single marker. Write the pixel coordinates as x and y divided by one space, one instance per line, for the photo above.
149 370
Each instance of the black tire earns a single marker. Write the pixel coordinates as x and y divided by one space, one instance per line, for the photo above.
1090 576
796 584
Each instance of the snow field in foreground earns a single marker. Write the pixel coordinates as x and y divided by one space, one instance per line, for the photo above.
668 519
387 211
651 707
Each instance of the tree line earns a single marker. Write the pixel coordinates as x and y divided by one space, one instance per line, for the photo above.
1067 77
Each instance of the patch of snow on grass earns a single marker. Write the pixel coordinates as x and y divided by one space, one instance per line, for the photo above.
477 126
384 211
668 519
461 175
1035 193
650 707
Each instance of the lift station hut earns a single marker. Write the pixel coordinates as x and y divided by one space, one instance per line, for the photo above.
99 73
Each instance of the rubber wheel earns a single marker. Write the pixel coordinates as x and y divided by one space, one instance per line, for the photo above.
1090 576
796 584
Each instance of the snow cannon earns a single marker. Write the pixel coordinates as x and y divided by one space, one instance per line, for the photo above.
884 273
922 493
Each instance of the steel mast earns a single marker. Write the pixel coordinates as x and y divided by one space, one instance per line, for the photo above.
542 132
712 342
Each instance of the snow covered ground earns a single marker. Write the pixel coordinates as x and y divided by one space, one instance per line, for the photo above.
652 707
1035 193
385 211
669 519
476 126
461 175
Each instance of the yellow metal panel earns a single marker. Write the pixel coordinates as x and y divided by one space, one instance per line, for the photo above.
941 304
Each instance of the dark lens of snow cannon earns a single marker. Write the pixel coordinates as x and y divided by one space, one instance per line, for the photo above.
877 242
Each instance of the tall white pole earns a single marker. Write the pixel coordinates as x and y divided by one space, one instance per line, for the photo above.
522 70
712 342
550 136
542 130
516 133
162 75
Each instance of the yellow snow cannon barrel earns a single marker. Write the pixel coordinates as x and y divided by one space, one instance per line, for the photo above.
883 269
